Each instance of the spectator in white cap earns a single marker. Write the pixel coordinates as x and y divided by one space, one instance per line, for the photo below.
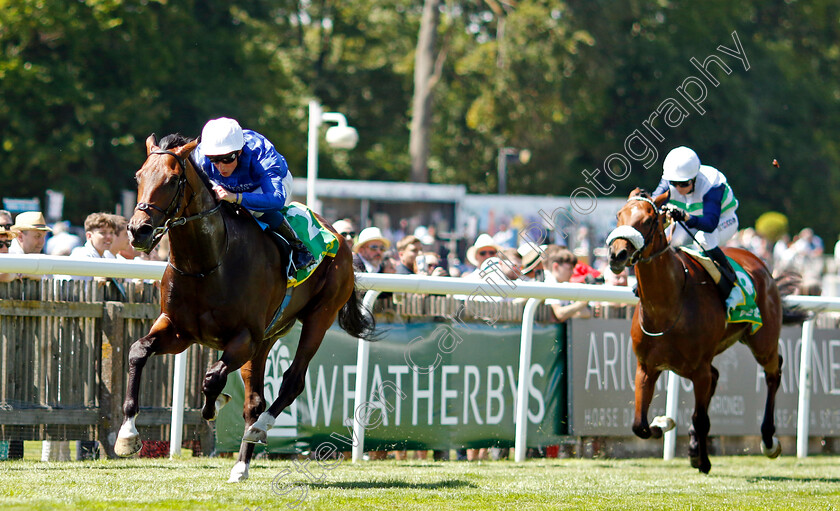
370 250
484 248
246 169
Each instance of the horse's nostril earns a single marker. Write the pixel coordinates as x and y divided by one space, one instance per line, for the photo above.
140 231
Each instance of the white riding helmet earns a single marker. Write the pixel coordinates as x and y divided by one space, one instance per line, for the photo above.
221 136
681 164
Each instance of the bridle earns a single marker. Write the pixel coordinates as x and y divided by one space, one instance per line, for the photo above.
632 235
169 214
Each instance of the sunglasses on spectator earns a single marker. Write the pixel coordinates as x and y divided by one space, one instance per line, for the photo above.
8 227
680 184
223 158
376 247
487 252
5 243
348 234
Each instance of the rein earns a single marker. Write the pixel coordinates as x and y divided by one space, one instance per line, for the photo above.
176 221
679 315
637 258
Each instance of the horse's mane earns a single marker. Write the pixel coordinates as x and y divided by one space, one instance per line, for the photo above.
177 140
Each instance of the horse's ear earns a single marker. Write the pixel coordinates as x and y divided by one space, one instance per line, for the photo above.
662 199
185 150
151 144
636 191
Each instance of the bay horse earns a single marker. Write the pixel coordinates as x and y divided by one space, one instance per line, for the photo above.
680 322
224 282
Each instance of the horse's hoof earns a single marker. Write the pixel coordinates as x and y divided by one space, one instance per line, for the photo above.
220 403
128 446
705 467
664 423
239 472
695 461
772 452
255 436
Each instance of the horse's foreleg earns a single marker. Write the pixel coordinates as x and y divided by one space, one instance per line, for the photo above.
311 336
770 445
161 339
253 376
236 353
705 383
645 383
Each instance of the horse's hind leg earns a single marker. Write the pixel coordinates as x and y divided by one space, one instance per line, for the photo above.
770 445
311 336
704 387
645 383
765 348
253 376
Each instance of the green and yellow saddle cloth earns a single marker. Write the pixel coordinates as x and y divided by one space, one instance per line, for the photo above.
740 306
319 240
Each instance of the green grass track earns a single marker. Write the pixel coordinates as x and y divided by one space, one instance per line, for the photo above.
736 482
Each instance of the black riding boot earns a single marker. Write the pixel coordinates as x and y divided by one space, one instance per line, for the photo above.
301 257
727 279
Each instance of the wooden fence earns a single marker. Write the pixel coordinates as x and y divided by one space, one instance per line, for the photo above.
63 355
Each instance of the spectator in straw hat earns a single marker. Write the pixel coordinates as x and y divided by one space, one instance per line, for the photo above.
532 262
6 237
32 232
484 248
370 250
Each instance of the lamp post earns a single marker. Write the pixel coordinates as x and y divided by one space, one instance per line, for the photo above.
514 156
341 136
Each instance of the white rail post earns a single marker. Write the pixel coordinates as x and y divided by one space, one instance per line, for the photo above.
672 403
179 379
524 385
804 411
362 358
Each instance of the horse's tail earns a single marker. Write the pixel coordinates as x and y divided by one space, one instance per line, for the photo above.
789 283
357 320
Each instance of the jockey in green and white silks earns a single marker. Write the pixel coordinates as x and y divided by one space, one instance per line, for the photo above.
703 200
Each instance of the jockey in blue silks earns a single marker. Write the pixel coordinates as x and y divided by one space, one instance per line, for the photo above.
246 169
700 197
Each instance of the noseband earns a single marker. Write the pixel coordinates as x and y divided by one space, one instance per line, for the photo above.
170 220
635 238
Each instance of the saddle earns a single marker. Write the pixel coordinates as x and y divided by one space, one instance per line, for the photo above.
706 262
745 309
316 237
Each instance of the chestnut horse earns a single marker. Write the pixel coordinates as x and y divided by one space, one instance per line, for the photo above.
680 322
224 282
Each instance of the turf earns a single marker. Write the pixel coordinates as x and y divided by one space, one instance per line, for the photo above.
740 482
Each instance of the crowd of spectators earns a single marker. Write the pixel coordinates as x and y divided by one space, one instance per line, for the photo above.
104 236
